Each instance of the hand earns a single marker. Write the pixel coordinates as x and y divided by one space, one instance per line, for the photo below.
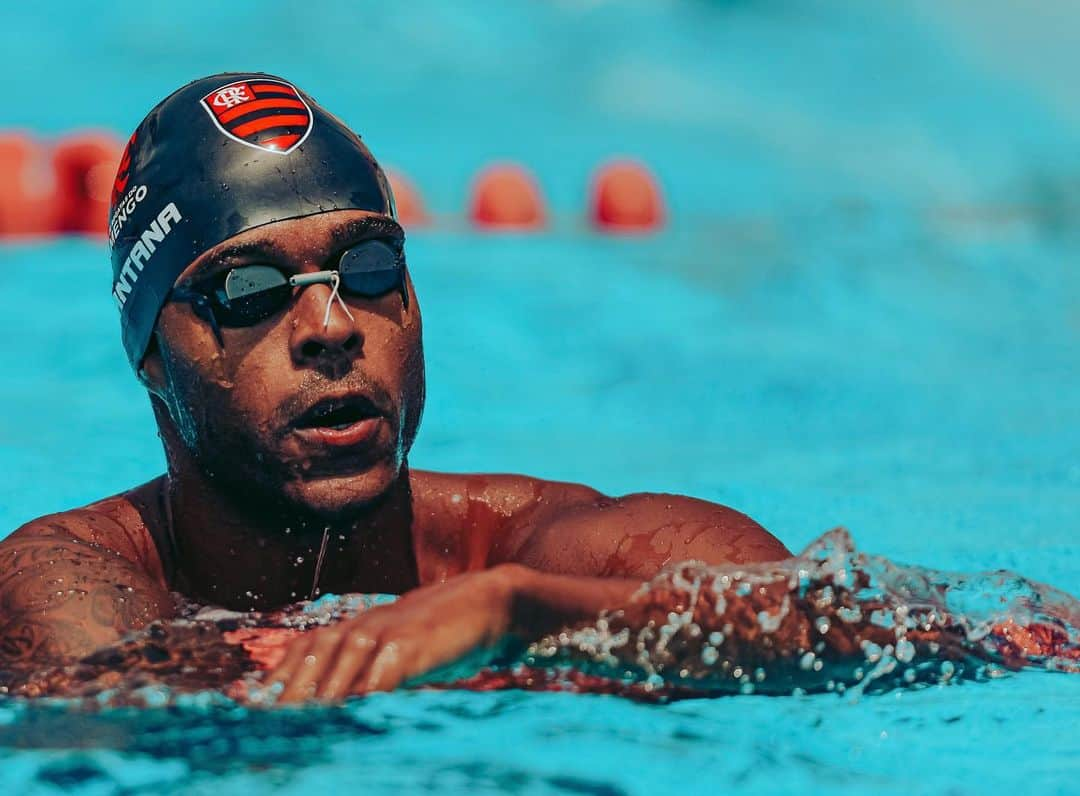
382 648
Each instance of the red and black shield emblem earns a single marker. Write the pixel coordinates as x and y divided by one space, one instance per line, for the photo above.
266 114
123 173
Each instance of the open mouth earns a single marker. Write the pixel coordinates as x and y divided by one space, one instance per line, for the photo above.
342 426
338 414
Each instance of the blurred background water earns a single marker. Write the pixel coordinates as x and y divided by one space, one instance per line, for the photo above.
865 311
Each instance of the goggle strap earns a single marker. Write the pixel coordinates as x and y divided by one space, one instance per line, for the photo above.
200 304
203 308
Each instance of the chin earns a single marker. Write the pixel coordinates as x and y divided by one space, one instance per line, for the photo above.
332 495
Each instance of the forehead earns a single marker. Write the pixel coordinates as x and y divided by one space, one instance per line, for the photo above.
317 236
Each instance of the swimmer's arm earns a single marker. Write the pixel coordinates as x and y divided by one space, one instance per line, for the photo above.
65 591
573 559
785 638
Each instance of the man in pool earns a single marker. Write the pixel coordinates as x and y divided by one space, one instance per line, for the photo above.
267 309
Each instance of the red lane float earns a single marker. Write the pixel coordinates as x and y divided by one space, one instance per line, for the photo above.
410 207
85 166
506 196
69 191
625 197
29 197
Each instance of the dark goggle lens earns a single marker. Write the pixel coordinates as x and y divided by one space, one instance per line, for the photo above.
251 293
370 269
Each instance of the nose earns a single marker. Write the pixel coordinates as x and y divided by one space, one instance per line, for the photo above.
331 345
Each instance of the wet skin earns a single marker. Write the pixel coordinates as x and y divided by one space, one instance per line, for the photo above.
254 485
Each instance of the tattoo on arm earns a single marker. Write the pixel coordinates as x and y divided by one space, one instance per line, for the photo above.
26 639
62 597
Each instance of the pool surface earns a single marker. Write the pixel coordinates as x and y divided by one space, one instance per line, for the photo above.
865 312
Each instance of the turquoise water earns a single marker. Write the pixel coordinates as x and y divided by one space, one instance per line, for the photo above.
866 312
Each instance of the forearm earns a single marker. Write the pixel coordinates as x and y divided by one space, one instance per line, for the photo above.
542 603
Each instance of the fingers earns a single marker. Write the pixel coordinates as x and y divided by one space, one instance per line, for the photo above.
355 654
386 671
324 663
333 663
386 646
398 659
294 654
303 668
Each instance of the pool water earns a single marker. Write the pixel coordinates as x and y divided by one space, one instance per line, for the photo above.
865 312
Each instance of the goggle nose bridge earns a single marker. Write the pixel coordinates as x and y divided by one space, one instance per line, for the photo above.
332 278
316 278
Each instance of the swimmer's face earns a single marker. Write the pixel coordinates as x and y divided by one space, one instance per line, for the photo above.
320 416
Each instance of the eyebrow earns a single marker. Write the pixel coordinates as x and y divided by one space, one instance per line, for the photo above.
365 228
352 231
261 247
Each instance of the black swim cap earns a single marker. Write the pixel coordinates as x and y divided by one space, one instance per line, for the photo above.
217 157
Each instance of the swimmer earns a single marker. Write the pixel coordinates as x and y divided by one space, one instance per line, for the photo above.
266 307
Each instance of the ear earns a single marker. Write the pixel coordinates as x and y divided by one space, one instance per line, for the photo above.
152 372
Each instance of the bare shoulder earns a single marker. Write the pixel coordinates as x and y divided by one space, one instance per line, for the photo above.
636 535
465 522
114 527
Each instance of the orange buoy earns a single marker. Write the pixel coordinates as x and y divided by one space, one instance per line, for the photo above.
28 188
85 166
410 208
506 196
625 198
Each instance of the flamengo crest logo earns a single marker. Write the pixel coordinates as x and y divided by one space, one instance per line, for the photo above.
263 113
123 173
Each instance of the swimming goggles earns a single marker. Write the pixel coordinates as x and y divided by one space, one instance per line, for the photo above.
248 294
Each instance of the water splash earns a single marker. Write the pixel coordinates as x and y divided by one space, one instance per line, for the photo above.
830 619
